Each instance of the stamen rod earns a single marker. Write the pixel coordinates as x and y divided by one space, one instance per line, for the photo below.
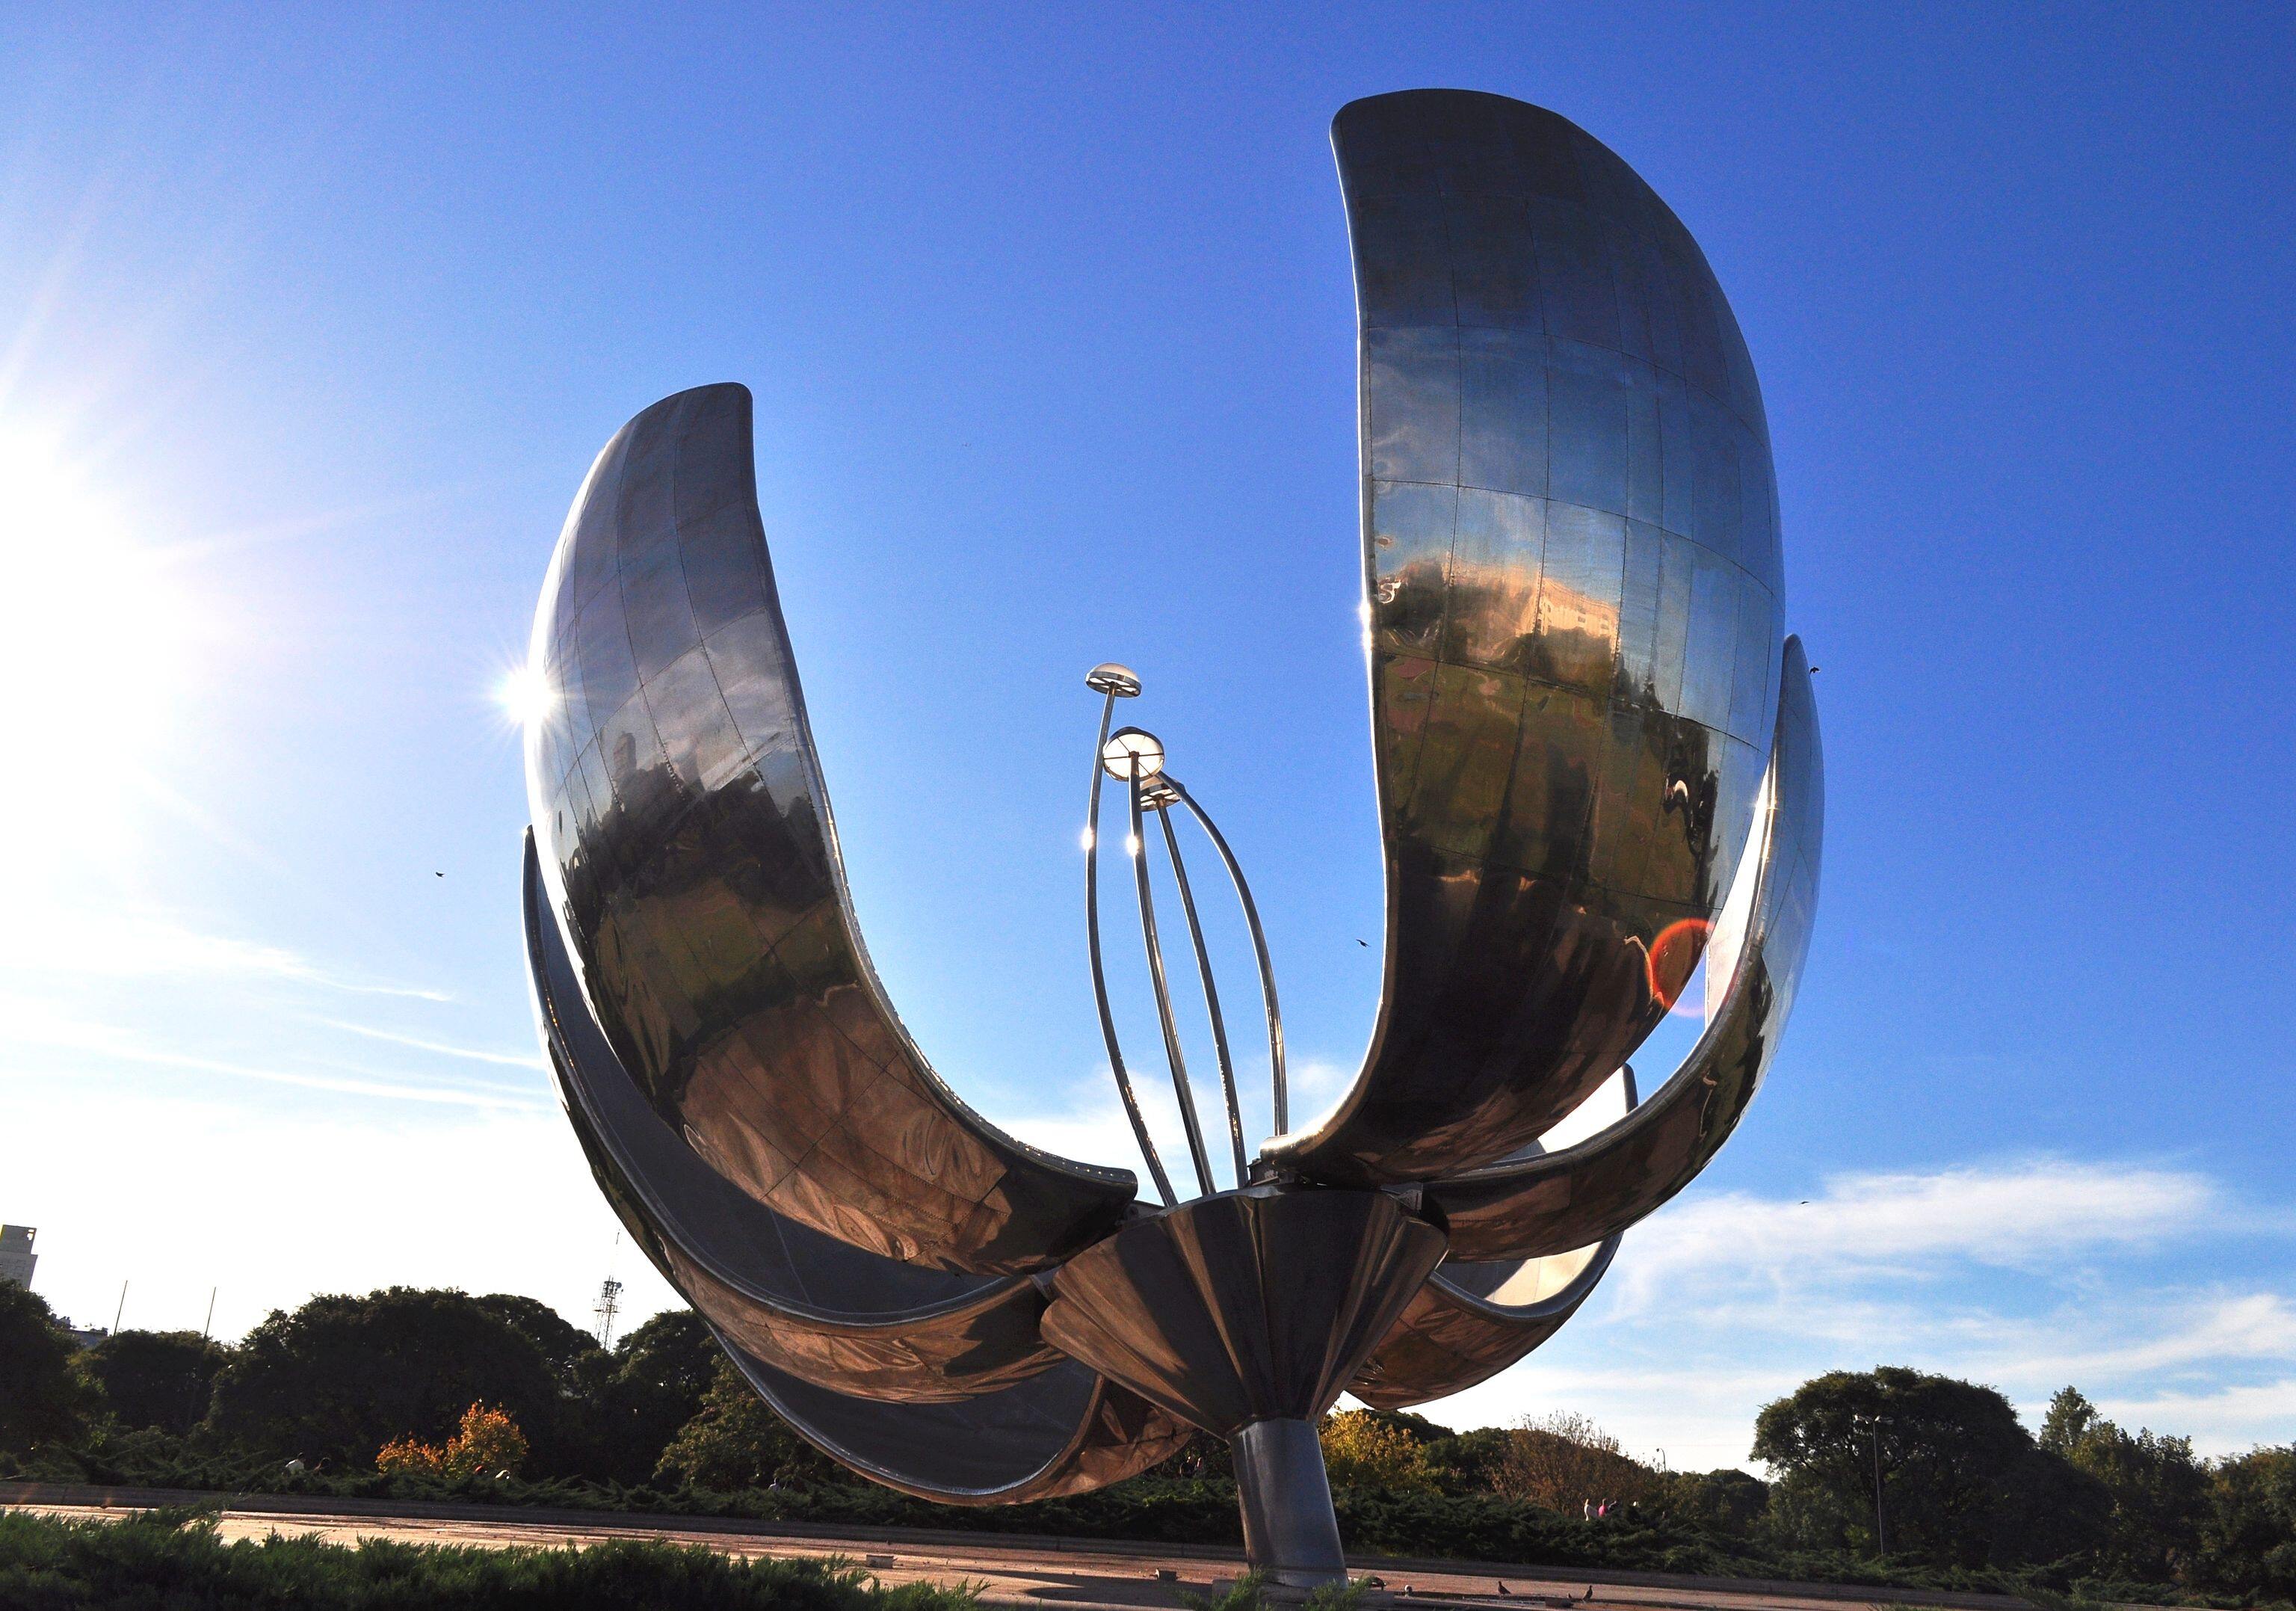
1260 947
1211 996
1098 976
1202 1160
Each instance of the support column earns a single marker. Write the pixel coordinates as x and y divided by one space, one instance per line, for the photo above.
1289 1531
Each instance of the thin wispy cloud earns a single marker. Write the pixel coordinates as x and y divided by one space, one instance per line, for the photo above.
33 1026
444 1048
146 943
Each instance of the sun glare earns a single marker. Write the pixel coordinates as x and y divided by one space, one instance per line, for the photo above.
87 601
92 616
526 695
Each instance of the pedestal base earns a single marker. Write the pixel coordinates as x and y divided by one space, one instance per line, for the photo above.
1246 1314
1289 1530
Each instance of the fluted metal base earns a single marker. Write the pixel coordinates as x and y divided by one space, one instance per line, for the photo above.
1246 1314
1290 1532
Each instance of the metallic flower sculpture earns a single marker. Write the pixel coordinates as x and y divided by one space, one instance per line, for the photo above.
1597 762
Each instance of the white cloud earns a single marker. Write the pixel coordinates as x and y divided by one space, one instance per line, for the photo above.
2019 1215
2227 1420
2024 1274
141 942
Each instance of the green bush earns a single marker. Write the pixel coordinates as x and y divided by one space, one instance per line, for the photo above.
176 1561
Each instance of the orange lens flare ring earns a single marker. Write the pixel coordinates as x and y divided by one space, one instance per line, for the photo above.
1673 956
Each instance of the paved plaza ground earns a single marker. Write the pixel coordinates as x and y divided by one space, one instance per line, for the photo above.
1056 1574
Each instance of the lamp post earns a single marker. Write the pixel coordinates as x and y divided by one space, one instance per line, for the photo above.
1880 1524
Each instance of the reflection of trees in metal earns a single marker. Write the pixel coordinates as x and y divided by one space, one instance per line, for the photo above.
1588 731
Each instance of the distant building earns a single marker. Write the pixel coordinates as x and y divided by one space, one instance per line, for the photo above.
16 1255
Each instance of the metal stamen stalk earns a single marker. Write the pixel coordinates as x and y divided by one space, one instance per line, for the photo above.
1107 680
1205 969
1259 948
1188 1120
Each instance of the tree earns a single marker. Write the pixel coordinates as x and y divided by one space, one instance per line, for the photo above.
44 1397
661 1372
343 1375
579 1438
2066 1422
1470 1461
157 1378
673 1352
573 1353
1566 1462
2248 1543
736 1441
1728 1502
1962 1482
1203 1458
1363 1448
2158 1491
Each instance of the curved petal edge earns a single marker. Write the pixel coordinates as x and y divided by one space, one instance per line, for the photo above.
686 841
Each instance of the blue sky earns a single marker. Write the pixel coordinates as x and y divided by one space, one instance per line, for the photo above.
311 320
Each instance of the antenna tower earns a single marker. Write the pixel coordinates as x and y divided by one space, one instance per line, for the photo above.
610 1299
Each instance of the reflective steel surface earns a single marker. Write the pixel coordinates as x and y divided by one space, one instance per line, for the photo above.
1066 1432
936 1383
1582 1194
805 1301
1473 1319
687 843
1247 1306
1585 721
1573 569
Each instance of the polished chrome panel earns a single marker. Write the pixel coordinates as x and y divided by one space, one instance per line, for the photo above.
833 1313
1065 1432
1254 1304
1473 1319
689 846
1566 1199
1572 563
878 1362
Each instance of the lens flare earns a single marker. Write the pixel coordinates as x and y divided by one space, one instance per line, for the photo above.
1673 956
526 695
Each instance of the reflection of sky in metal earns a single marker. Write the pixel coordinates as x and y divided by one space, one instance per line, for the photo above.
1572 561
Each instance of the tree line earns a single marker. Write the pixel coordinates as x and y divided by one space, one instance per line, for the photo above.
1888 1476
1895 1464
